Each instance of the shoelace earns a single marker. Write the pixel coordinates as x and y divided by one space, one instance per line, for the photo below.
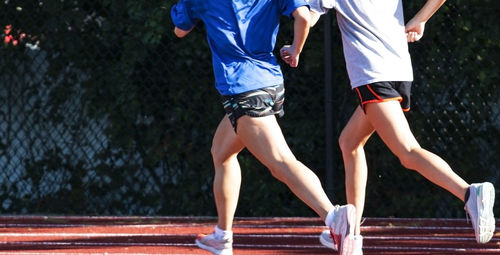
362 221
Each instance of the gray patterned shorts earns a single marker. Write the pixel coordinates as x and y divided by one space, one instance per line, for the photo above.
256 103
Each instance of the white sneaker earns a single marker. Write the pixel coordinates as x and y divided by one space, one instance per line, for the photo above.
479 207
216 247
343 227
326 240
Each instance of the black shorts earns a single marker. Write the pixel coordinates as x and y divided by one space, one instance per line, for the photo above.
385 91
255 103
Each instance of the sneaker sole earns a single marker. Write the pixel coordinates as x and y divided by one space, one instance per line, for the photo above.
211 249
486 200
326 242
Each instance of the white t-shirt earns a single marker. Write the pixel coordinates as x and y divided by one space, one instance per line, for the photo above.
373 37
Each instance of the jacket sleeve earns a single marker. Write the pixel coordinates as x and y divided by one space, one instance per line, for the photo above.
181 16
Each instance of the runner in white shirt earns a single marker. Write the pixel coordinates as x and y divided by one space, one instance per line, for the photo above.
375 41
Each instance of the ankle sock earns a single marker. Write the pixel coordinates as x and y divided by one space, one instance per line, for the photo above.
329 217
467 194
222 234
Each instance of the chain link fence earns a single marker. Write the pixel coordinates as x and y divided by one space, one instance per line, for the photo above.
104 111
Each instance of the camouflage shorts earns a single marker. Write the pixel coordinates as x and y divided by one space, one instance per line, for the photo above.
255 103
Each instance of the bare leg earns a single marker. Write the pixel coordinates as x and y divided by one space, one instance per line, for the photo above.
227 181
263 138
352 141
392 127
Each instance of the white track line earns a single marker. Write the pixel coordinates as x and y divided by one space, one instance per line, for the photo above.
416 228
193 236
78 234
55 234
132 221
440 249
271 236
72 244
125 225
198 218
63 225
86 253
236 226
80 253
67 225
396 238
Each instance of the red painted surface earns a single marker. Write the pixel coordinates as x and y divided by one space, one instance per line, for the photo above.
175 235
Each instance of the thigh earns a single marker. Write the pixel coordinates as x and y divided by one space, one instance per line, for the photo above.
357 130
225 142
391 125
263 137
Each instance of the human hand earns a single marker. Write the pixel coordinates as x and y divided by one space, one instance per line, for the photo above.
414 30
288 55
181 33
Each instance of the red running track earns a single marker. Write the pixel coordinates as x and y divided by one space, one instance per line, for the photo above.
56 235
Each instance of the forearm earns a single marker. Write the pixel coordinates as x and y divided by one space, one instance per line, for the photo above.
302 25
429 8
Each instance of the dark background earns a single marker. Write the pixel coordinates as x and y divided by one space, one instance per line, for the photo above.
104 111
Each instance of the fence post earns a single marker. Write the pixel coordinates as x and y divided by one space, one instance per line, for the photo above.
329 118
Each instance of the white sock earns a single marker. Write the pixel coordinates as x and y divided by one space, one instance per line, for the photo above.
222 234
329 217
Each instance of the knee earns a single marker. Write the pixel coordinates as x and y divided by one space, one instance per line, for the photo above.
348 145
405 161
276 173
279 168
223 155
214 153
218 156
407 158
